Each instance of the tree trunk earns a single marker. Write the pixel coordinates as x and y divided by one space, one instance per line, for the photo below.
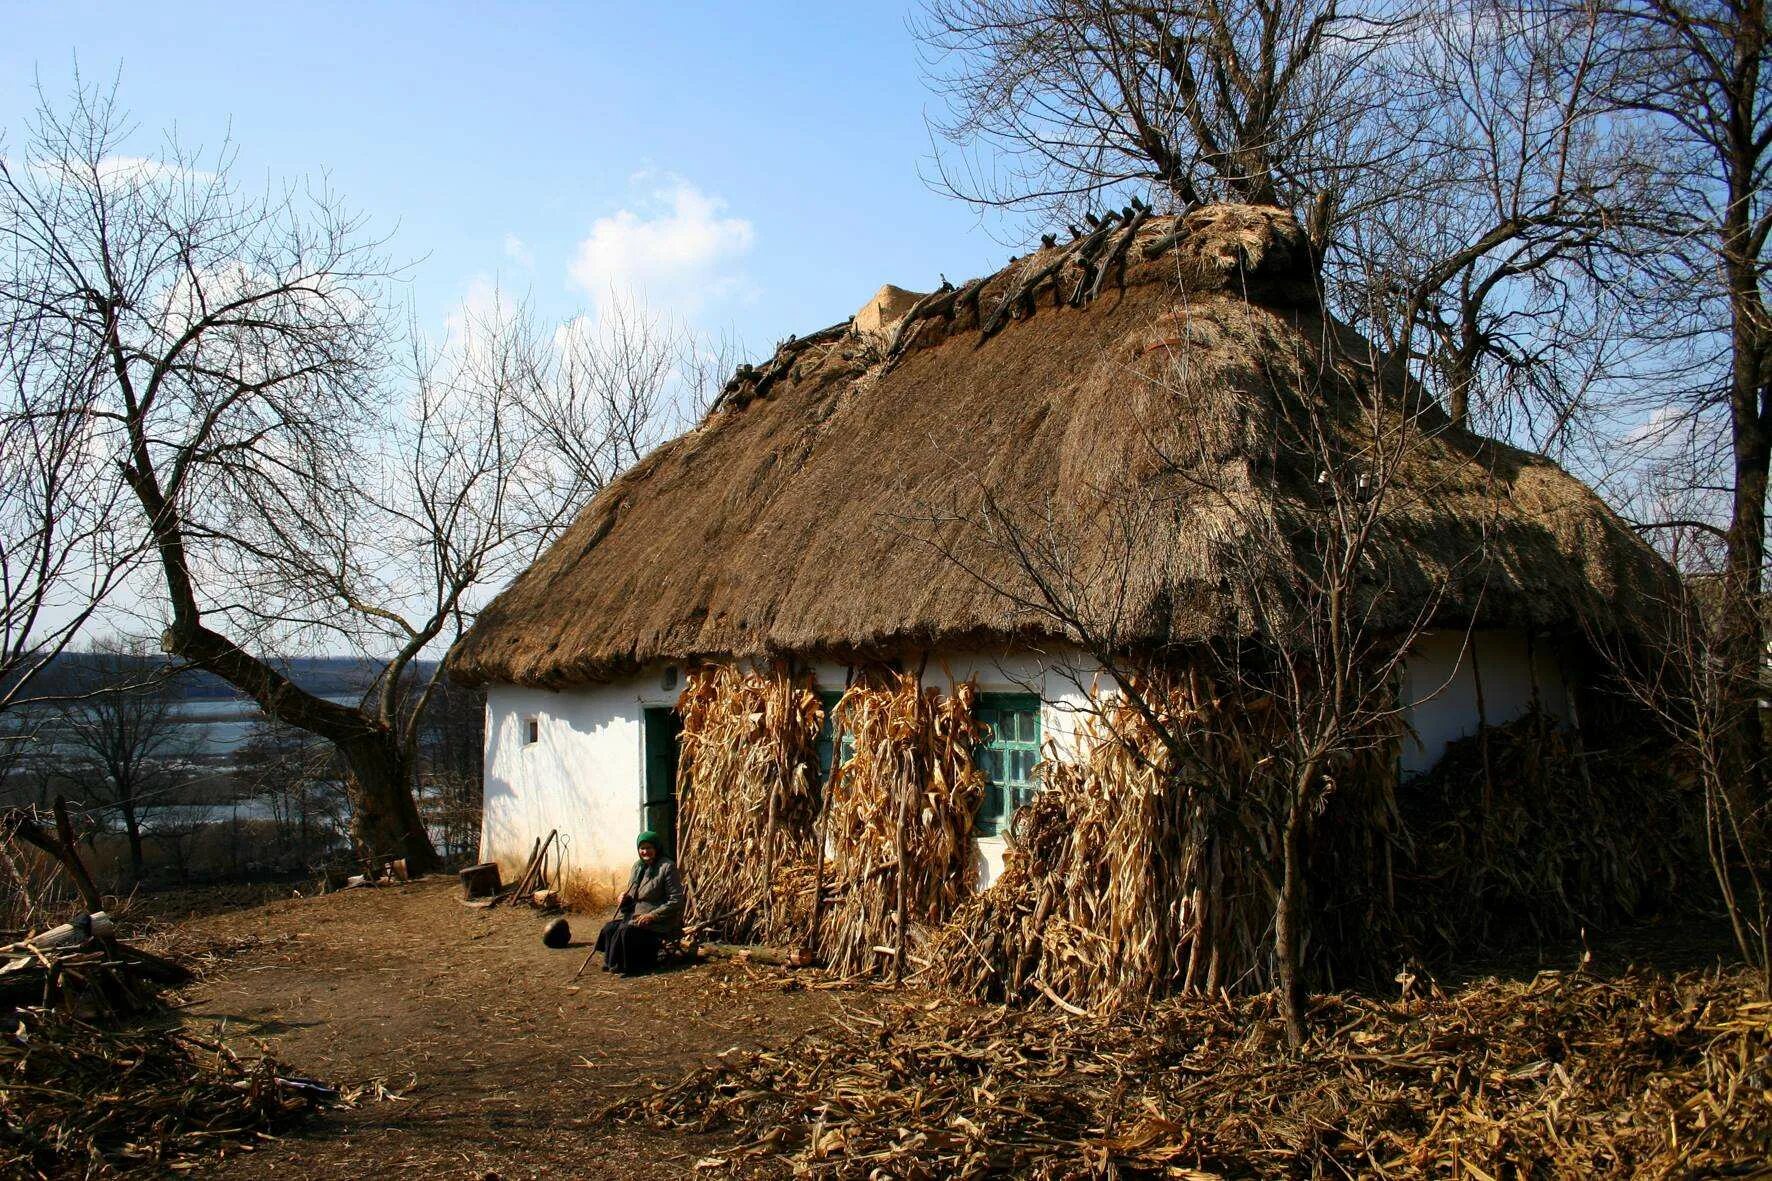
384 816
1289 921
1743 632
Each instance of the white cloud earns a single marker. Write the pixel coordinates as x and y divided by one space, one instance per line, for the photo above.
679 251
518 252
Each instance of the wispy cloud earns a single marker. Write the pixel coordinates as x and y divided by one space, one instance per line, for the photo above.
674 248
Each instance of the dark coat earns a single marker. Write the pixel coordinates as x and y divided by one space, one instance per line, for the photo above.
657 890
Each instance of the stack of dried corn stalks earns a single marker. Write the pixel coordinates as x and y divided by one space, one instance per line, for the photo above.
1559 1076
1521 827
747 794
897 830
82 1100
1138 871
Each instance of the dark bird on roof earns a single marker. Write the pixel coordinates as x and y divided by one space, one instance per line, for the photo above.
1094 222
945 285
1048 241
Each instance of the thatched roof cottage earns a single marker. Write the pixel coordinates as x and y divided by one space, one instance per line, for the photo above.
818 514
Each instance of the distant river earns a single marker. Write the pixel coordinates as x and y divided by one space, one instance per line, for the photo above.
219 726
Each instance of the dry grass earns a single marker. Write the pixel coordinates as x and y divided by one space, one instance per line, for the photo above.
1567 1076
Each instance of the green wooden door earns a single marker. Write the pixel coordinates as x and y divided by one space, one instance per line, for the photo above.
658 810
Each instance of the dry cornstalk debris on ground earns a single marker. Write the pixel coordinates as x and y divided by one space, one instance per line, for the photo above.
80 1099
1640 1075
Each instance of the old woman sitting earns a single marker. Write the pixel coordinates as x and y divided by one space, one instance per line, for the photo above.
650 912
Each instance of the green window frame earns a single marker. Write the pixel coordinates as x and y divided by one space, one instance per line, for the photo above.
1008 757
826 732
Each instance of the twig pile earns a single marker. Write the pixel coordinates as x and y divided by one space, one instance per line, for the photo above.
898 833
1559 1076
1130 876
78 1099
747 786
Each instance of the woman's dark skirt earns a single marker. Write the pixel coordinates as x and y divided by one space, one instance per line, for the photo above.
628 948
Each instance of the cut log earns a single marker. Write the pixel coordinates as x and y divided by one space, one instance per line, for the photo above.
786 957
480 881
546 899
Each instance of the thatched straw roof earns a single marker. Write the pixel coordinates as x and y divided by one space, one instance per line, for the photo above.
811 510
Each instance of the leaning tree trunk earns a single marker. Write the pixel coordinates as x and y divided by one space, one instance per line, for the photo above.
384 815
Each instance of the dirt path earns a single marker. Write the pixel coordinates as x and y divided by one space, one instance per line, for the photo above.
502 1061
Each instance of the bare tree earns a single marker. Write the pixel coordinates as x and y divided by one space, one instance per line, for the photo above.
234 352
1082 100
1456 166
61 554
124 748
1699 71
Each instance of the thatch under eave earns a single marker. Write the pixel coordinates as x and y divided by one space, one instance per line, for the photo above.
809 512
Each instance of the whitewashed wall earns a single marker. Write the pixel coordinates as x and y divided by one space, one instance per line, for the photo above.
585 773
1440 683
582 775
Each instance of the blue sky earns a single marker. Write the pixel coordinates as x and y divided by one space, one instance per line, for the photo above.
753 167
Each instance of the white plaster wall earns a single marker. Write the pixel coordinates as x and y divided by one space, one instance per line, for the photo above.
1440 687
582 775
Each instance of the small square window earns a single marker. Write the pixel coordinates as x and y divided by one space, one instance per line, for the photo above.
531 730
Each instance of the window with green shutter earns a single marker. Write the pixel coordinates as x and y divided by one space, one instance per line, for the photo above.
826 747
1007 757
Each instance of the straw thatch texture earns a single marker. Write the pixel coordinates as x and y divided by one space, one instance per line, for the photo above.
805 513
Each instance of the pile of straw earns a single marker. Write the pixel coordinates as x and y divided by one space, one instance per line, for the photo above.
1558 1076
1139 871
748 792
898 826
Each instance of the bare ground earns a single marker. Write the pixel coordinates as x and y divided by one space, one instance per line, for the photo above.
500 1061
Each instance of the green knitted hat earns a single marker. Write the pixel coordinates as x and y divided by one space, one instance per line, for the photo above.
651 836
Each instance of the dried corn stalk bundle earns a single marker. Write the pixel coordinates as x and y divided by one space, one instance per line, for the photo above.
747 794
899 830
1137 871
1537 832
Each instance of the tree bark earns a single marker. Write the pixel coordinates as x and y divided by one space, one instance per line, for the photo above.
384 816
1289 920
